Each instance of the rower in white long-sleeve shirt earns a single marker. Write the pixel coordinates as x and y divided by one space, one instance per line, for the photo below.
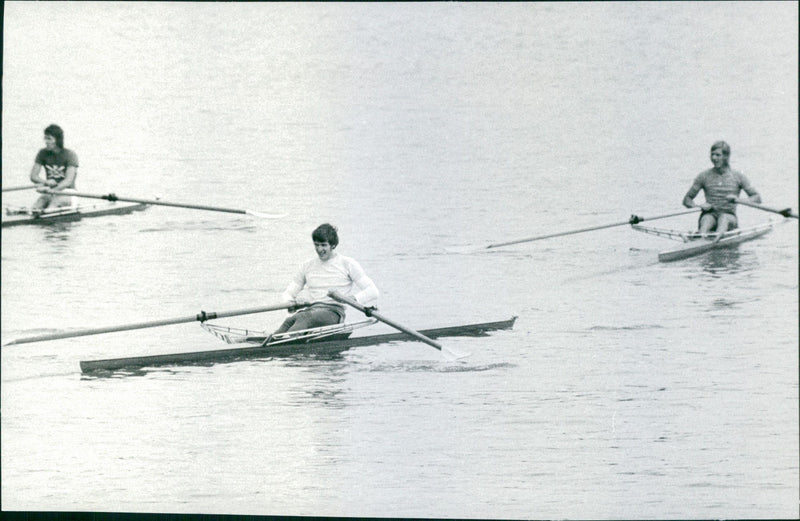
317 276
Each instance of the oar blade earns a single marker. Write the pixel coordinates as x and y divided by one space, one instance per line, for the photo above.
454 355
265 215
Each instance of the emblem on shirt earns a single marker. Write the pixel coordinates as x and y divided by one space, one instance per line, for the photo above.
56 172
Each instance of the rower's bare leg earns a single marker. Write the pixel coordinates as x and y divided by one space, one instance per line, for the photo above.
707 224
41 203
726 222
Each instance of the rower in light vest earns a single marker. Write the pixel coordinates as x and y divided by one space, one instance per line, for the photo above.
329 270
720 185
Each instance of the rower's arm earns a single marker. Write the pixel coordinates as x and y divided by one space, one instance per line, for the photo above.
688 199
295 286
754 196
291 292
35 179
749 189
688 202
366 290
68 180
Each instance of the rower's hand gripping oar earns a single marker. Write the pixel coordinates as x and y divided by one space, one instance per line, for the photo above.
200 317
786 212
158 202
370 312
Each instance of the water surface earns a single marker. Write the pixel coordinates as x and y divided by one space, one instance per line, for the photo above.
627 389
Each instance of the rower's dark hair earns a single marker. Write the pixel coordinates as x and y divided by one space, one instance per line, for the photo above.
325 233
57 133
726 148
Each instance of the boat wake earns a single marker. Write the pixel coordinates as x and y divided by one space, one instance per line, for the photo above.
230 225
428 366
636 327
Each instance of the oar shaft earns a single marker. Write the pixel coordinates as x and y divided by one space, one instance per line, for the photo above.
15 188
786 212
550 236
113 197
399 327
415 334
632 220
200 317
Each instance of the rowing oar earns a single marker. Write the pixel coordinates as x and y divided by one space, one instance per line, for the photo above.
416 334
786 212
158 202
15 188
635 219
201 317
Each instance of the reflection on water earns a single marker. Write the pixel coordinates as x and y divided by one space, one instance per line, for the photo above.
57 232
309 360
323 383
724 261
328 371
723 303
427 366
224 224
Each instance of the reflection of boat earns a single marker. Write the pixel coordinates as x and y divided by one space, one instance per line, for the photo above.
318 341
695 243
20 216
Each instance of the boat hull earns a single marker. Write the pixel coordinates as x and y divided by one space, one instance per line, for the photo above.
326 347
73 214
699 246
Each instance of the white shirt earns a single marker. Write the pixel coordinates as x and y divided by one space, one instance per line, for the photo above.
341 273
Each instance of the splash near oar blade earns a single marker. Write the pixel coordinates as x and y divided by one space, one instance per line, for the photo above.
451 353
200 317
786 212
159 202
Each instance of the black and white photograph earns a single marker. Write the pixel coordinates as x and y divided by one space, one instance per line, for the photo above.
451 260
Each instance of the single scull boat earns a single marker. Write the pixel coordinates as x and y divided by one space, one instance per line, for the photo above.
695 243
20 216
319 341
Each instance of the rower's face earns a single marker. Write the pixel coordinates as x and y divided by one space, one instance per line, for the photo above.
718 158
49 142
324 250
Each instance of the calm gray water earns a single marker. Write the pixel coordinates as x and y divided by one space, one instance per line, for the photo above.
627 389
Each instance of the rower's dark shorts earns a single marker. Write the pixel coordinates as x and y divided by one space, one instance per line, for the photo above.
716 214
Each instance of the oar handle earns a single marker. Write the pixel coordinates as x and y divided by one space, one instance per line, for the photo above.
350 302
786 212
200 317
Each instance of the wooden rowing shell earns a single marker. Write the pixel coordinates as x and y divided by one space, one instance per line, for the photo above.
22 216
729 239
321 347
